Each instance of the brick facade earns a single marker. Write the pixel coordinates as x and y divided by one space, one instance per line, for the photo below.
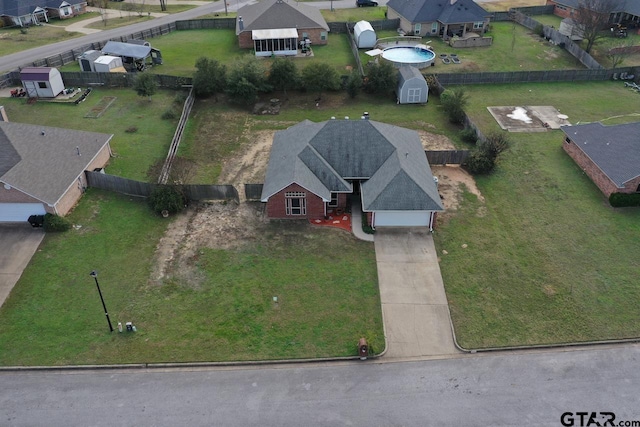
598 177
276 204
560 10
314 34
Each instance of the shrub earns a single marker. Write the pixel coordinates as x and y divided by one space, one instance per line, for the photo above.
210 77
623 200
539 30
55 223
454 102
469 135
366 227
479 163
354 83
382 78
169 114
166 198
180 98
495 143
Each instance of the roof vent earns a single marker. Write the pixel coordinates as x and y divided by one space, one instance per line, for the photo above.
366 115
78 151
333 117
240 23
42 132
362 118
346 117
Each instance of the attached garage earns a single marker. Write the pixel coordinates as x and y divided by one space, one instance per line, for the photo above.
401 219
20 212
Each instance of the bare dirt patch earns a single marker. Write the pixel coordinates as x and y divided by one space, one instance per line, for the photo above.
452 180
432 141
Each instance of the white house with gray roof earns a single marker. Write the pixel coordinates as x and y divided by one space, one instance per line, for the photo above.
314 167
609 155
276 27
42 169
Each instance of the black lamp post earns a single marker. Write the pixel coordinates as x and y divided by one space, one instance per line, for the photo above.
94 274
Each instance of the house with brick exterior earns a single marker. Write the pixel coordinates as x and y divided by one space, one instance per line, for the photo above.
439 18
609 155
42 169
317 167
627 11
34 12
276 27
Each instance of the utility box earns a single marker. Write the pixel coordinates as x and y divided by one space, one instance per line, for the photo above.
363 349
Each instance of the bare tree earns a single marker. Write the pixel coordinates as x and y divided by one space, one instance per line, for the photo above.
592 17
618 52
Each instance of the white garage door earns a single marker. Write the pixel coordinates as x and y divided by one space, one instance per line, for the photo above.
20 212
402 219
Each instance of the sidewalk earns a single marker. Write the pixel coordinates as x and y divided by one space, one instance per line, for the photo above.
80 26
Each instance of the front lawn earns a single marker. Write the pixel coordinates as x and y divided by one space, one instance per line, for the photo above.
546 259
14 40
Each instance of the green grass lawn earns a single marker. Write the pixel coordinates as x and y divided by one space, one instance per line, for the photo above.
13 40
547 259
354 14
135 152
120 21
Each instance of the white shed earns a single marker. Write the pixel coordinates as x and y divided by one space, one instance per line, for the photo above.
108 64
364 35
41 82
412 87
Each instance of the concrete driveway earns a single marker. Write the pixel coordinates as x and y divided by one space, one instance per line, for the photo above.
414 305
18 243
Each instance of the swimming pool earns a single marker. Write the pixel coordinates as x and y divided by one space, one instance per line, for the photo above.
418 56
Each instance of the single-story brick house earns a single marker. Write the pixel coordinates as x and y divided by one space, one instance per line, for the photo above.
42 169
628 11
33 12
277 27
439 18
609 155
314 167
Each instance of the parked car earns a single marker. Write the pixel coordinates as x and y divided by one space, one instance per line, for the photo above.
366 3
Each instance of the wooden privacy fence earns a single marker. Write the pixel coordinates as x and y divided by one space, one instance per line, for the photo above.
253 191
529 76
446 157
132 187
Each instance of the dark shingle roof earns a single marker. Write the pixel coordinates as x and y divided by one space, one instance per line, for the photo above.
629 6
277 14
614 149
419 11
19 7
322 156
48 158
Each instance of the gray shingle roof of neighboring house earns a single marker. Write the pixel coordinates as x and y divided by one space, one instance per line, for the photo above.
629 6
48 161
321 157
614 149
25 7
276 14
418 11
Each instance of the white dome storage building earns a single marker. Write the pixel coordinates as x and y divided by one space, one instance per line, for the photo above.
364 35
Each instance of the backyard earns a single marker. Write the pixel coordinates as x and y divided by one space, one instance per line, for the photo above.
542 258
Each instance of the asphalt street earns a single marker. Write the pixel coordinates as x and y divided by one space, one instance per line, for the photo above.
512 389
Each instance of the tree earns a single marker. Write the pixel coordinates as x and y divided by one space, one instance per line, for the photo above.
210 77
320 77
483 159
146 85
453 102
354 83
382 78
618 52
163 5
246 79
283 74
592 17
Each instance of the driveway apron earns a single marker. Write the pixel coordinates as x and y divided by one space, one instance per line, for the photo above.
18 243
414 304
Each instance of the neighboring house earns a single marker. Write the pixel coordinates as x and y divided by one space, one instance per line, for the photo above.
42 169
34 12
628 11
41 82
439 18
277 27
314 167
412 87
609 155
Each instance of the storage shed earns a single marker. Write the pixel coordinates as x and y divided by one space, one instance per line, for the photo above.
136 55
109 64
364 35
41 82
412 87
87 58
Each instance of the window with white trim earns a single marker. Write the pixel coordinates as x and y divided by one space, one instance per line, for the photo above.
334 200
295 203
323 35
413 94
478 25
434 27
